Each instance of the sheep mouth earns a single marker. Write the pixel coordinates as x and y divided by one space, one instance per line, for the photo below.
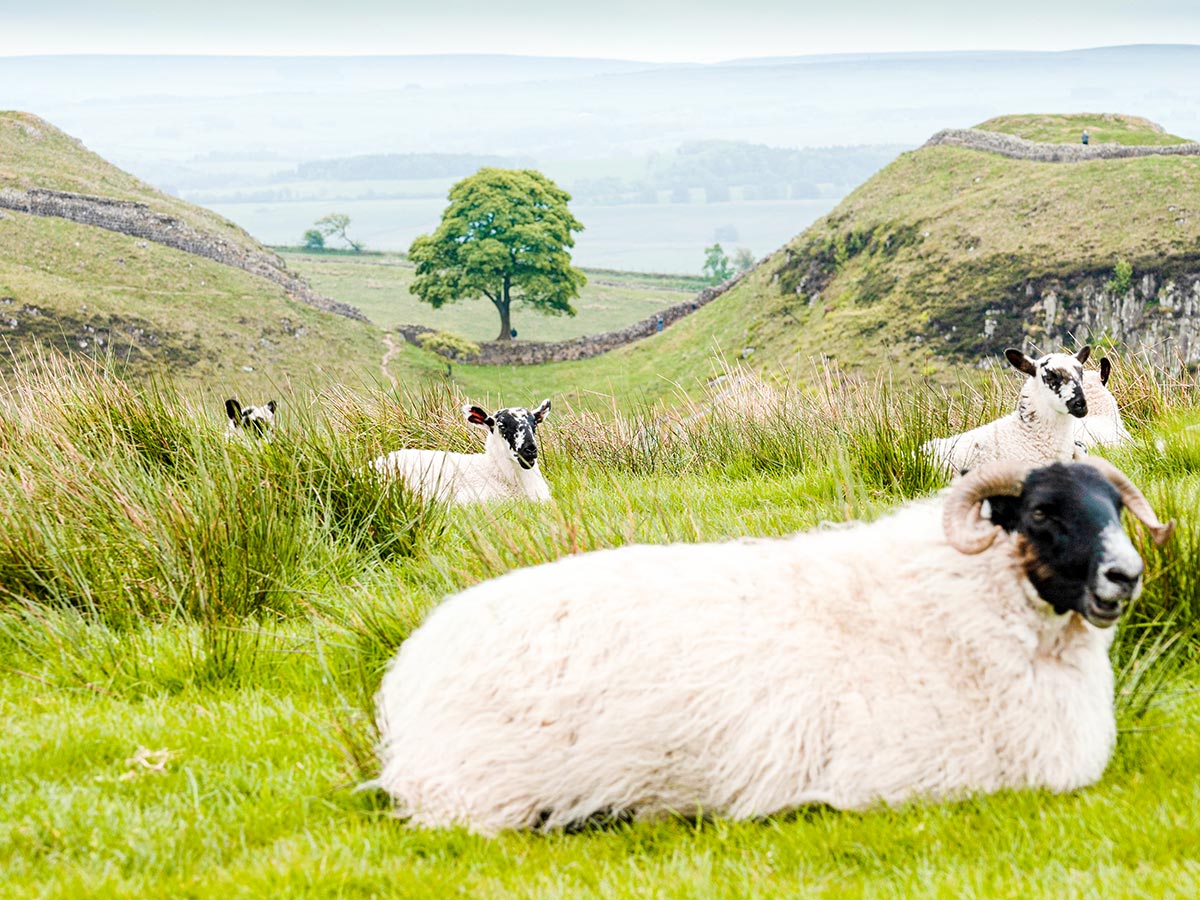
1100 614
526 463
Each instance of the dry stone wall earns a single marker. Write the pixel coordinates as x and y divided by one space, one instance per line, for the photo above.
139 220
1018 148
526 353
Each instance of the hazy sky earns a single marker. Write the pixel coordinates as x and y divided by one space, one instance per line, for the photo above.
651 30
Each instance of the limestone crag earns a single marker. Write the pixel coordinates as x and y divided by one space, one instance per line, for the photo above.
138 219
1019 148
1157 317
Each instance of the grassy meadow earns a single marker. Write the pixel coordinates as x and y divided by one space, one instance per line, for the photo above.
191 629
377 283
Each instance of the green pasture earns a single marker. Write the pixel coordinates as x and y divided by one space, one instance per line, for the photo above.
377 283
191 630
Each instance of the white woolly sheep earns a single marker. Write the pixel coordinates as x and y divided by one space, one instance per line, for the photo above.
930 654
1102 425
1040 429
255 421
507 469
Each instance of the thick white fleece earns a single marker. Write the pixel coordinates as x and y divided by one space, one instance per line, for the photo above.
466 477
1102 425
853 666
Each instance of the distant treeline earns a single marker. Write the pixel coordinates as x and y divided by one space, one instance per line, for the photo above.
400 166
695 172
719 171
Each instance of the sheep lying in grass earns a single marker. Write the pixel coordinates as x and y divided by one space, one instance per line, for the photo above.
932 653
255 421
507 469
1041 428
1102 425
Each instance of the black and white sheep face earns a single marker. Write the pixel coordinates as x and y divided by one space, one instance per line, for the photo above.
516 426
256 421
1074 550
1061 374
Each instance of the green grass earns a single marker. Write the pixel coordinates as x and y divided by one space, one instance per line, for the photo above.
1102 128
159 309
378 284
191 629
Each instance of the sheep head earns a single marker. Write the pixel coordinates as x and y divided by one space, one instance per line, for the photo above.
256 421
1066 518
1057 379
515 428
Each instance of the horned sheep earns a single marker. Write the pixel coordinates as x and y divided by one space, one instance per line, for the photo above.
1102 425
930 654
1040 429
507 469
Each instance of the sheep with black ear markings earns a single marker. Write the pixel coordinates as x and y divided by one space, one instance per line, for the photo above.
1102 425
1041 428
932 654
255 421
507 469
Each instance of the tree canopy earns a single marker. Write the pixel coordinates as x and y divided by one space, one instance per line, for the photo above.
506 236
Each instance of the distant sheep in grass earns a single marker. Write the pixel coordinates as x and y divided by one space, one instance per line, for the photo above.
507 469
254 421
931 654
1040 429
1102 425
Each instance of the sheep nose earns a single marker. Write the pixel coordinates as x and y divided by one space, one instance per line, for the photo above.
1124 579
1078 406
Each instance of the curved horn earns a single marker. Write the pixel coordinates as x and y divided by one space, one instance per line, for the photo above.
1134 500
967 530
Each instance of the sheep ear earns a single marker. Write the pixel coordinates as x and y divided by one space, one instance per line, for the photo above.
1083 354
1020 361
271 406
477 416
1105 369
233 409
541 411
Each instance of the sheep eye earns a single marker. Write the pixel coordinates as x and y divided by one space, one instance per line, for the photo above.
1040 515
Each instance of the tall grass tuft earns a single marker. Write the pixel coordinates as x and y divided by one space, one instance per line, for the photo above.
131 509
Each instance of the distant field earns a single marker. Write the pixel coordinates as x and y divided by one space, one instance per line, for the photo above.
378 285
664 237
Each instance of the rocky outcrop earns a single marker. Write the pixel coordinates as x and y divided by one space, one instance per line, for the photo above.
525 353
140 220
1018 148
1157 317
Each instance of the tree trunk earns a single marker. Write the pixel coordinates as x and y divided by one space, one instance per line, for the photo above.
503 303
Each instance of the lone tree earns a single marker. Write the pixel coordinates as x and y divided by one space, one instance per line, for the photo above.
504 236
335 225
716 265
314 240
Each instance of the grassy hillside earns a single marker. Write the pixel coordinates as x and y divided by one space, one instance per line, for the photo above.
153 309
934 259
1067 129
35 154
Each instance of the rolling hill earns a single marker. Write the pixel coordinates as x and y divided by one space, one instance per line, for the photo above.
952 253
183 291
